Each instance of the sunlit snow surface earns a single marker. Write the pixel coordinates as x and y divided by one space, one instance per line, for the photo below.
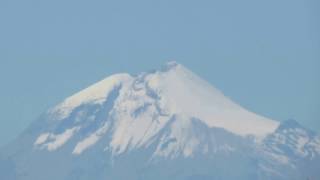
54 141
97 93
164 124
146 103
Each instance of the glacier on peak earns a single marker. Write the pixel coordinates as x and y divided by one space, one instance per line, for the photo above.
145 103
96 93
164 124
180 91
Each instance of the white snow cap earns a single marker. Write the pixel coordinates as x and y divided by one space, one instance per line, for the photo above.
96 93
183 92
146 103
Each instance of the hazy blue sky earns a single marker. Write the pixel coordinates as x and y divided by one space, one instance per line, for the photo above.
265 55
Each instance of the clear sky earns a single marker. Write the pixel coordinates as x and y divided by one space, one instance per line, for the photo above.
265 55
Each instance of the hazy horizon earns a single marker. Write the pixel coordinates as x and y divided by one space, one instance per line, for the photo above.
264 56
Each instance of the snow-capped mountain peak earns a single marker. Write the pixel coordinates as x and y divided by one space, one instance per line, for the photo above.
158 125
184 92
137 108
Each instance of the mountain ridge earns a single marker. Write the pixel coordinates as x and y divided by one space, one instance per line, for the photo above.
169 117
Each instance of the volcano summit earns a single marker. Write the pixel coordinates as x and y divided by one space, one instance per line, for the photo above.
165 124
